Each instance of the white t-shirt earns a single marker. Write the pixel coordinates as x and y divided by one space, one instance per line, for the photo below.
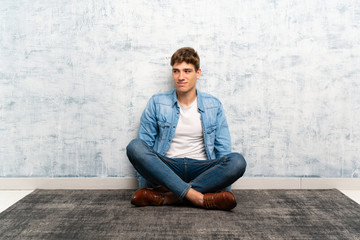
188 140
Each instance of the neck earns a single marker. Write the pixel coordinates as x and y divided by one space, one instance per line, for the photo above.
186 99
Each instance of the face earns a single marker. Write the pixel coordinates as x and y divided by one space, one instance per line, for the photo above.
185 77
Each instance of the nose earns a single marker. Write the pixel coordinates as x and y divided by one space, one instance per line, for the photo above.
181 75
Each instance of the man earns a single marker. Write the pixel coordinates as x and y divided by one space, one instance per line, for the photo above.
183 149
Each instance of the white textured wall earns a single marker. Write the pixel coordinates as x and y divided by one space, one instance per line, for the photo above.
76 75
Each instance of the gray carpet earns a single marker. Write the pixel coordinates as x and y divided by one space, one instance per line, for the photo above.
108 214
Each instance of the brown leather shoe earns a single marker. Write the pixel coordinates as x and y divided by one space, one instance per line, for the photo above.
224 200
148 197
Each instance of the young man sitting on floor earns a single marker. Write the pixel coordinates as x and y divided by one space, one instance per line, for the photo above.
183 146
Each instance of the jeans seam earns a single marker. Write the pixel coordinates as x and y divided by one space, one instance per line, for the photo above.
185 191
185 170
204 162
162 160
205 173
168 159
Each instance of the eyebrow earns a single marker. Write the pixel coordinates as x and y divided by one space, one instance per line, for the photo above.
188 69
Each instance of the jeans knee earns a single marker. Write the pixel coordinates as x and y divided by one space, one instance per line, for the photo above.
133 147
238 163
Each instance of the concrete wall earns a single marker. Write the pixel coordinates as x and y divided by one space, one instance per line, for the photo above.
76 75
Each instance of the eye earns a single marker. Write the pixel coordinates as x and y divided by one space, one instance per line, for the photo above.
174 70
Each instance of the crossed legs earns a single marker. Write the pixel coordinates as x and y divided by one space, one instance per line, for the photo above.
185 178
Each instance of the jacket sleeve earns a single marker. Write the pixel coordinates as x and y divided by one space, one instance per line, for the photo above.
222 135
148 130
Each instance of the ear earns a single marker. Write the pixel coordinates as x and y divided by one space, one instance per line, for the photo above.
198 73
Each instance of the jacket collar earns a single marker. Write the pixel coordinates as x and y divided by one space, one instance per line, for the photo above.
200 102
199 99
174 98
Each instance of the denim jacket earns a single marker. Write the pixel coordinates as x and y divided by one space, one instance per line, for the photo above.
160 117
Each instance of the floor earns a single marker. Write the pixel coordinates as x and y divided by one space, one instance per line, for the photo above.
9 197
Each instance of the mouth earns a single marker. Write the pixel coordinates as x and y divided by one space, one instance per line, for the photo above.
181 83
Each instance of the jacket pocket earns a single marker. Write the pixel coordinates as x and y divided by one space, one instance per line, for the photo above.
164 128
210 135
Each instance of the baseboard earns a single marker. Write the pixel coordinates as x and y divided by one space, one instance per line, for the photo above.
131 183
267 183
67 183
298 183
338 183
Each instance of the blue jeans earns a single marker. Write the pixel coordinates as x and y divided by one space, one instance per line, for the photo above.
181 174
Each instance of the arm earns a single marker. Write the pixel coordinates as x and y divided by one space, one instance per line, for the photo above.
148 130
222 134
